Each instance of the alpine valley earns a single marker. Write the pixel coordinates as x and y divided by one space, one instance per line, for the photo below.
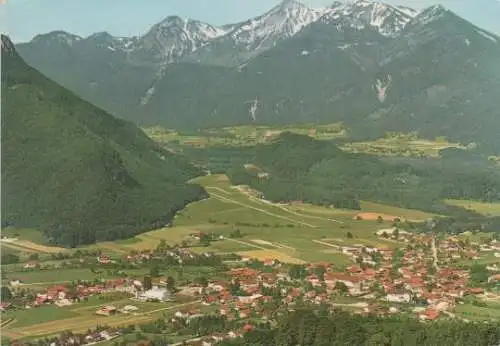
372 66
312 177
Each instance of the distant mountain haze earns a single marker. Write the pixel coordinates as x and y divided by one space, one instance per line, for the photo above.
27 18
374 66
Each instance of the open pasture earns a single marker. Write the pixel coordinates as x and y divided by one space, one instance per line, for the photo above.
81 316
242 136
272 254
410 214
401 145
280 230
488 209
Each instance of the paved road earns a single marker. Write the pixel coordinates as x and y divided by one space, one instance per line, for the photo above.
169 308
45 283
246 243
336 247
226 199
434 253
258 200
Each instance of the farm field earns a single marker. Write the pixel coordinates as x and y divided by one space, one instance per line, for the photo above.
28 240
395 144
241 136
401 145
488 209
471 312
51 320
25 234
24 318
54 275
284 230
270 231
410 214
486 260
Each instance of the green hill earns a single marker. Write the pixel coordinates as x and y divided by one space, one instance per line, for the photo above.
76 172
301 168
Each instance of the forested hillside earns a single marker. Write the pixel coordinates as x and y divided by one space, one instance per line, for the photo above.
74 171
309 328
295 167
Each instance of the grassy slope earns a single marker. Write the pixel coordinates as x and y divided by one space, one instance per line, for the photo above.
269 230
488 209
76 172
301 168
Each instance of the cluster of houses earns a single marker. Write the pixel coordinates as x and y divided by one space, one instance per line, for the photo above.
418 278
416 282
456 248
89 338
65 295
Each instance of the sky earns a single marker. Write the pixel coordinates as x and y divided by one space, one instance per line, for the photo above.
24 19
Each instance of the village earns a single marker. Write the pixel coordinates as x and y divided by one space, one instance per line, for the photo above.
423 278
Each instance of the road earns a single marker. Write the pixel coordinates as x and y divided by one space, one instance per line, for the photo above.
44 283
434 253
226 199
336 247
258 200
84 322
169 308
246 243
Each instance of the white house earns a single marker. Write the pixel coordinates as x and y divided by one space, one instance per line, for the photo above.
156 293
398 297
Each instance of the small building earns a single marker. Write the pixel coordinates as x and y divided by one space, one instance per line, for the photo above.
155 293
429 314
4 306
398 297
103 260
108 310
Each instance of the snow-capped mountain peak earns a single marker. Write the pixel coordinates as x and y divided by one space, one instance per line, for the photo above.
281 22
288 5
431 14
174 37
386 19
190 27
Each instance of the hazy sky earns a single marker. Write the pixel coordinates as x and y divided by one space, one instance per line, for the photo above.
23 19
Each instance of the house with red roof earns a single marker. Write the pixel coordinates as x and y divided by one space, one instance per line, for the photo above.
429 314
103 260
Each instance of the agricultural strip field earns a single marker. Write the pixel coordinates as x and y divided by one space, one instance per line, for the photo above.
478 313
410 214
400 147
42 323
492 209
292 226
241 136
28 240
269 230
50 276
271 254
30 246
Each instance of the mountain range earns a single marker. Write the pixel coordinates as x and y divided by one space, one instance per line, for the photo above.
74 171
373 66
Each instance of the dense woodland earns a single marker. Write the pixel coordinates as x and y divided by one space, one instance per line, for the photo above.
309 328
301 168
76 172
